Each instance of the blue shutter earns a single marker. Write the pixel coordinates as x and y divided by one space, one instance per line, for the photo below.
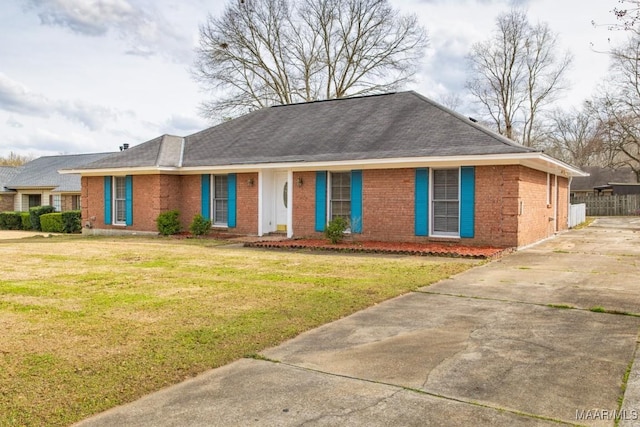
321 200
107 200
356 201
231 205
128 199
422 202
205 196
467 201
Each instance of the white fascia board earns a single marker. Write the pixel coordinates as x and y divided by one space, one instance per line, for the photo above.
534 160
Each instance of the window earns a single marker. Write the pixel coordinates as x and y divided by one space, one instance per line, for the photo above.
119 200
75 203
340 196
56 202
220 200
445 202
34 200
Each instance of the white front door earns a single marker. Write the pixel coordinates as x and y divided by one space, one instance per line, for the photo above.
281 196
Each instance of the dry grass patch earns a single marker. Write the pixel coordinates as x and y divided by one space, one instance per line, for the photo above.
90 323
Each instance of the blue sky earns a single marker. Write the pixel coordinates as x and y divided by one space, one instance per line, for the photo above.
80 76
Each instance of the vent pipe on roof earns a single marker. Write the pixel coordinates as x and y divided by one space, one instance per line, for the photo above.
124 147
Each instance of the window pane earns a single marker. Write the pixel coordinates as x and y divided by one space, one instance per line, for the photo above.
340 195
220 199
120 211
221 189
120 187
445 201
119 199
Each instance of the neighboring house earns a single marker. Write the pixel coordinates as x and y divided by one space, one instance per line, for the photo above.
7 195
603 181
398 166
38 183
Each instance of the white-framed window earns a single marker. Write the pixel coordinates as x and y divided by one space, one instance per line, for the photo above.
56 202
119 200
75 202
445 202
340 195
220 199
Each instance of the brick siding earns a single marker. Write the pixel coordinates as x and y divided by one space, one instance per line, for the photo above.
511 206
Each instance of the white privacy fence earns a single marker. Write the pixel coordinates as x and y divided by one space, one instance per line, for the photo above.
577 214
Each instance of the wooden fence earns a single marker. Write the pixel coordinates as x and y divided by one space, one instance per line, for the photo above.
612 205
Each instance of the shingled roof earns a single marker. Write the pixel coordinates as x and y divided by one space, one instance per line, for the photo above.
43 172
6 174
395 125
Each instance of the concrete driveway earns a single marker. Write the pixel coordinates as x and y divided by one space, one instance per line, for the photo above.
542 337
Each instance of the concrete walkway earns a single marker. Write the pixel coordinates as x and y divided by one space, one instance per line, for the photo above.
538 338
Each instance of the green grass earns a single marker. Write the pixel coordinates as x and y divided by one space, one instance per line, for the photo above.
90 323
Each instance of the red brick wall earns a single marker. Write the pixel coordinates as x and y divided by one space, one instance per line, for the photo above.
189 198
6 202
388 211
496 210
154 194
563 203
511 204
246 204
304 204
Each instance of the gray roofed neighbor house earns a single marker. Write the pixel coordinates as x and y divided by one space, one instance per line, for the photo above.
599 176
43 172
396 125
6 174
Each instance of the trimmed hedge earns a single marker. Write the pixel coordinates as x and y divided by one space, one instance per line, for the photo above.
26 220
51 222
71 222
10 221
35 213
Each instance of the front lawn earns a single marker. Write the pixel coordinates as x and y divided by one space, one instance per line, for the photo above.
90 323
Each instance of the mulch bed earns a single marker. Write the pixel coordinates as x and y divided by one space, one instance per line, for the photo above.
433 249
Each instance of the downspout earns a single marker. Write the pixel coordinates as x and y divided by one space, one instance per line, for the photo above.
569 200
555 204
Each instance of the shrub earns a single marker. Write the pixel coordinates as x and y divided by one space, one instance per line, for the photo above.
35 213
168 222
10 221
51 222
25 218
335 230
200 226
71 221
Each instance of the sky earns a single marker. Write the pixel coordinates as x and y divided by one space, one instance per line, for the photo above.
86 76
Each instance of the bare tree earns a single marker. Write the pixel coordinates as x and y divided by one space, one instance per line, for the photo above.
14 159
618 107
575 137
516 74
268 52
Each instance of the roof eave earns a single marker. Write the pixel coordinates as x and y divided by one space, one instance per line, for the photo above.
534 160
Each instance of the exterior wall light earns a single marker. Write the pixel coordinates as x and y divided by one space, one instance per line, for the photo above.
299 181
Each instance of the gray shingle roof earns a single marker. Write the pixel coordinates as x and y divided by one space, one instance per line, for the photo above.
164 150
43 172
601 176
6 174
403 124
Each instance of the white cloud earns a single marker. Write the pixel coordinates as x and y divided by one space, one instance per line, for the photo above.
17 98
143 28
